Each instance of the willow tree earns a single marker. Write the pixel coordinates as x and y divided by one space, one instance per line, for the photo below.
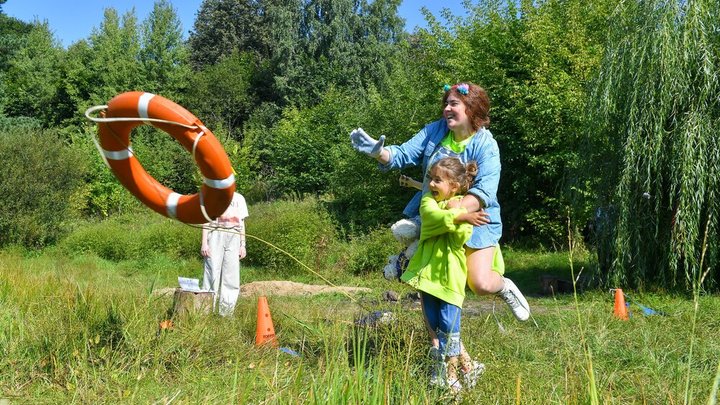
655 128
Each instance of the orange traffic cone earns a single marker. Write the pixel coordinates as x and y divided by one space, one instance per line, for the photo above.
265 331
620 308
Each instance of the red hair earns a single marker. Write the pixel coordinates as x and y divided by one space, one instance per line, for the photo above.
477 103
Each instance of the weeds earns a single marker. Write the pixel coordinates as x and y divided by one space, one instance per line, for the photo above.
83 329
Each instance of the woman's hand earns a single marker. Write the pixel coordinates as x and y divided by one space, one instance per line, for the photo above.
362 142
454 203
204 250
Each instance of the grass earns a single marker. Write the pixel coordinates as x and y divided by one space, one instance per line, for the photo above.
85 330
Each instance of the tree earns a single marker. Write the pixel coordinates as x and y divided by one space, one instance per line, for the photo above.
101 67
114 59
163 53
655 121
222 94
223 27
12 34
348 44
33 75
301 46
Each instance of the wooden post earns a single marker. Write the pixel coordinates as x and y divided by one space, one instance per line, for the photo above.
188 302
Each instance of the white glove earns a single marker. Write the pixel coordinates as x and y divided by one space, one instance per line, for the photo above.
364 143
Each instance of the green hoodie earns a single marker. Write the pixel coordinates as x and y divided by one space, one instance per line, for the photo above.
439 267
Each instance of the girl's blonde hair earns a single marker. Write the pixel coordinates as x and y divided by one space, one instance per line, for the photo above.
462 174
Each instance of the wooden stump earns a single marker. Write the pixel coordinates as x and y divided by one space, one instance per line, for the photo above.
188 302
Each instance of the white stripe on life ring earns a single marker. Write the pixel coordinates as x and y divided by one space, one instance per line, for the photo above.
220 184
171 204
144 104
118 154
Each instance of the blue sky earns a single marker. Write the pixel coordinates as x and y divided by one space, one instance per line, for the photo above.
74 20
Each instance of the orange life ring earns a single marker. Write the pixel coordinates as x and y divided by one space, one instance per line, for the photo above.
218 180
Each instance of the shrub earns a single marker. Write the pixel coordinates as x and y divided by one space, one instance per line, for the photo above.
369 253
23 123
301 228
39 180
134 237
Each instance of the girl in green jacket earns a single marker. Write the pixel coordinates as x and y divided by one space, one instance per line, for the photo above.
439 270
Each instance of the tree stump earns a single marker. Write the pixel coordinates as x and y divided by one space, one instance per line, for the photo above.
189 302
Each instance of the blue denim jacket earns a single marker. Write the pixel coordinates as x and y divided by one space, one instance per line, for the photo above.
483 149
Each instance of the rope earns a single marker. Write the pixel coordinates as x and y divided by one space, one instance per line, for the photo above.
306 267
130 119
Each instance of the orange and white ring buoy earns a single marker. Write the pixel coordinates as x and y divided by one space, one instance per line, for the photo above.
218 180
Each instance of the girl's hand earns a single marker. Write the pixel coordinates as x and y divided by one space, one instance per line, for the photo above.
205 250
476 218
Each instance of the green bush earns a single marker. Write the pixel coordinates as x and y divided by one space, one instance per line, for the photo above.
369 253
134 237
23 123
40 179
301 228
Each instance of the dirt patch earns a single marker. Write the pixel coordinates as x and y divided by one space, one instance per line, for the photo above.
257 288
286 288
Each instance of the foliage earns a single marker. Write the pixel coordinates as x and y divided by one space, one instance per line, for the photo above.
117 40
31 79
12 34
38 187
348 44
307 152
7 124
303 143
223 27
302 46
163 53
368 253
134 236
300 228
534 59
656 122
222 95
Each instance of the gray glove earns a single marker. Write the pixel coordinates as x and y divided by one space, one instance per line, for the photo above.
364 143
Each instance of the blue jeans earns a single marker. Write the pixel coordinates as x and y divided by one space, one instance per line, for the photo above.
444 319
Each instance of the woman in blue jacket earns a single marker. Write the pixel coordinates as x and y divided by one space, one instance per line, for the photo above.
461 133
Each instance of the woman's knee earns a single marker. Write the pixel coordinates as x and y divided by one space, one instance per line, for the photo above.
485 284
481 278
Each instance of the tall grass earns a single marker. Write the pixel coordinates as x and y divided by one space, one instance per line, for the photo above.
80 323
592 389
84 329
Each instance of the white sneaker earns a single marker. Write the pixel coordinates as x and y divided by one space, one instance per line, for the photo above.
515 300
470 378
